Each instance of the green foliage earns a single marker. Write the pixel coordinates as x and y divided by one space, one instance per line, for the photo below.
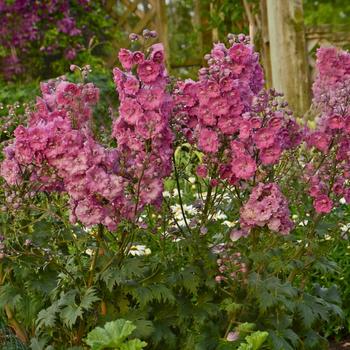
288 296
326 12
114 335
254 341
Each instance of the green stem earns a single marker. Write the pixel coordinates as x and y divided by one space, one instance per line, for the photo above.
180 196
94 258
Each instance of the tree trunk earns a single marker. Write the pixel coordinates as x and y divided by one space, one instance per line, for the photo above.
265 44
290 73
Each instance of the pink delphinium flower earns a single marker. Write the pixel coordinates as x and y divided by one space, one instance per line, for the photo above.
323 204
266 206
208 141
126 58
144 138
148 71
202 171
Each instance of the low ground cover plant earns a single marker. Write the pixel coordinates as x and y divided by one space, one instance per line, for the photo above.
207 219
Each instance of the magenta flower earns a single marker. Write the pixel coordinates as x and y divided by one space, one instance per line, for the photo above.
126 58
319 140
131 110
208 141
148 71
266 206
270 155
335 122
323 204
202 171
138 57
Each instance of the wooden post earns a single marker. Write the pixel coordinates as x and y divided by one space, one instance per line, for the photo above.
265 44
290 73
162 27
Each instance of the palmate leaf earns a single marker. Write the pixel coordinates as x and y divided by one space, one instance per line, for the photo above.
307 315
255 340
155 292
190 280
70 313
111 277
67 308
88 299
70 310
278 342
134 344
47 317
132 268
114 335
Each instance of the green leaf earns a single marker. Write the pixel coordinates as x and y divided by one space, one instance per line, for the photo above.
245 327
112 335
230 307
47 317
67 298
70 313
256 339
38 344
9 295
278 342
88 299
134 344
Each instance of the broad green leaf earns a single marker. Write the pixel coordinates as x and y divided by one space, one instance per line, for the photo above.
256 339
111 336
134 344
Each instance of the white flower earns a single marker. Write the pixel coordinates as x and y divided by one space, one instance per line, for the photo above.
139 250
229 223
89 230
166 194
219 216
192 180
190 209
345 228
89 251
177 212
342 201
304 223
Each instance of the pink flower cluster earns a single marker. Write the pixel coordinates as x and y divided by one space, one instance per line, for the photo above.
58 153
266 206
227 107
332 84
211 108
332 136
142 129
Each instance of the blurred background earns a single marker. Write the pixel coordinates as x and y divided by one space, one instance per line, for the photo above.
39 40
